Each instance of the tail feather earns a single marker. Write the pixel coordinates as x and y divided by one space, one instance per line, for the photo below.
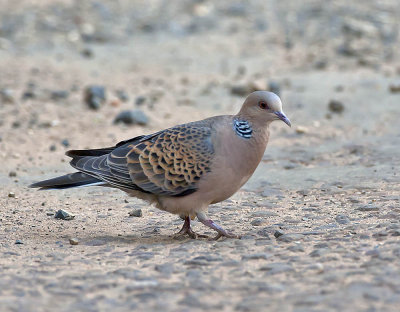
67 181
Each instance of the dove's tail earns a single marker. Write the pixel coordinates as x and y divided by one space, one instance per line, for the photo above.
75 179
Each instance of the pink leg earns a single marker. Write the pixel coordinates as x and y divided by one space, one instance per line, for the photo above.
203 218
186 229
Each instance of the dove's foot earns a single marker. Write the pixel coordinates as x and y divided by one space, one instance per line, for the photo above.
211 224
187 230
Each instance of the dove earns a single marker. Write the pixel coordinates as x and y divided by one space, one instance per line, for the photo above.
185 168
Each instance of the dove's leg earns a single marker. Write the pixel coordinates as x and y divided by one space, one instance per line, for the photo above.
186 229
203 218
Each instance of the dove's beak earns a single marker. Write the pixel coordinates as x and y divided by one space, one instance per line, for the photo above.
283 117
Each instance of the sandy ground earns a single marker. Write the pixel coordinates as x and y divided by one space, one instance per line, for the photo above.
330 184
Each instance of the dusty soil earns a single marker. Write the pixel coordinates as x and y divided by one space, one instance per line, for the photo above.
330 184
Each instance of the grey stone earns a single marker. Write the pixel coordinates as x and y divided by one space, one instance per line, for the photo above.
63 215
122 95
336 106
287 238
278 233
368 208
73 241
277 267
140 100
12 174
18 242
319 252
132 117
257 256
136 213
59 95
65 142
95 96
342 219
7 96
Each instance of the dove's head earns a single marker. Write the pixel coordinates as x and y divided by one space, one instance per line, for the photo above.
263 107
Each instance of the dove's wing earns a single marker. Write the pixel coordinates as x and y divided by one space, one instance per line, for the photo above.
169 162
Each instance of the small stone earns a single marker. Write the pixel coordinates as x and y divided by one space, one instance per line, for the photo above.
140 100
287 238
52 147
296 248
87 52
257 256
12 174
278 233
319 252
136 213
11 194
132 117
73 241
264 233
59 95
63 215
396 232
95 96
18 242
7 96
122 95
257 222
241 90
342 219
394 88
301 130
275 268
368 208
65 142
336 106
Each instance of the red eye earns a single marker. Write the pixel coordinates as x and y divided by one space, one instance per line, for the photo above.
263 105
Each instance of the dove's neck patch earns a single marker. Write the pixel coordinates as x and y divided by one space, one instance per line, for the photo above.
242 128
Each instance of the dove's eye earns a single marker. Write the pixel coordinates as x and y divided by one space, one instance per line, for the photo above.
263 105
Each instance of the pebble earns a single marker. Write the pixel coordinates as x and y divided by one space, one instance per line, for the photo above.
257 256
277 267
287 238
336 106
368 208
342 219
258 222
7 96
18 242
12 174
140 100
52 147
301 130
65 142
95 96
132 117
122 95
136 213
296 248
11 194
63 215
241 89
278 233
59 95
394 88
73 241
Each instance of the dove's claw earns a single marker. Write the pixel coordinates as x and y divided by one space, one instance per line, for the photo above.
186 229
211 224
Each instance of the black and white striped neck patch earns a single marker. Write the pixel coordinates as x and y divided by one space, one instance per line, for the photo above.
242 128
